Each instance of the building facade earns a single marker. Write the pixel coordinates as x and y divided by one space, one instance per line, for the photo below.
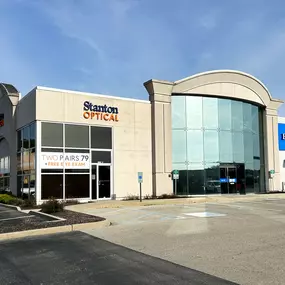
219 129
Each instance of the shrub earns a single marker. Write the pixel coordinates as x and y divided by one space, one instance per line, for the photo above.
71 202
149 197
131 197
52 206
167 196
29 203
7 199
17 202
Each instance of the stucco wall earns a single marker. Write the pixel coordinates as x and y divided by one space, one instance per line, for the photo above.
26 110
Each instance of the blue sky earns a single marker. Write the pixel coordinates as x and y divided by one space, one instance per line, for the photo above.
113 46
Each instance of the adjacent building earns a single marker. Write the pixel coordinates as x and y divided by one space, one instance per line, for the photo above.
219 129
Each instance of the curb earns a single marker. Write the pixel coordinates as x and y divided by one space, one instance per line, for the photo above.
11 206
34 212
53 230
40 214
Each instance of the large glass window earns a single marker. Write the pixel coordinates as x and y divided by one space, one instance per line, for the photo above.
247 118
210 113
26 138
196 178
77 186
101 137
67 152
238 147
5 174
52 186
76 136
224 113
19 140
178 112
194 112
32 135
210 134
211 146
101 156
178 146
226 144
195 145
26 150
237 115
182 183
52 134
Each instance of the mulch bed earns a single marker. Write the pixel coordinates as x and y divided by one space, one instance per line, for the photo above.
36 222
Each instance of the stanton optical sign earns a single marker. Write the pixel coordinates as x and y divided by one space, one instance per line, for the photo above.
100 112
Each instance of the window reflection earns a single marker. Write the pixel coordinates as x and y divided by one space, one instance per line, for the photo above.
210 132
178 112
211 146
194 112
196 178
212 178
237 116
195 146
210 113
249 177
182 185
255 119
256 146
248 150
224 111
238 147
226 145
178 146
247 117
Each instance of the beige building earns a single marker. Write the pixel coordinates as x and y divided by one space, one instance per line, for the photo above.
218 129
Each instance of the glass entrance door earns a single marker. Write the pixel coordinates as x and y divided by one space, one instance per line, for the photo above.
232 175
94 182
228 179
104 185
101 181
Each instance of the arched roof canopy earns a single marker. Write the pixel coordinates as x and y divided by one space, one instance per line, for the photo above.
10 91
227 83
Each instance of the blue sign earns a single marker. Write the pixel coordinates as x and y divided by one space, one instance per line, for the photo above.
223 180
140 177
233 180
281 136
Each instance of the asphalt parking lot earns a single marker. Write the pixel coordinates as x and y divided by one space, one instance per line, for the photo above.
9 214
12 220
78 258
242 241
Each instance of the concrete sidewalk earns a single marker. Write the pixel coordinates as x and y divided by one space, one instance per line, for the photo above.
177 201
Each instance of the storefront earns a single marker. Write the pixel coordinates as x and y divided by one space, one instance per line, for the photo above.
218 129
72 145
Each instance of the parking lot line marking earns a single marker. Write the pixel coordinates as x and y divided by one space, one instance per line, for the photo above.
15 218
205 214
